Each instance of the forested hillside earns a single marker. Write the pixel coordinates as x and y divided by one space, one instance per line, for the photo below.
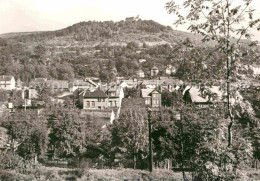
94 48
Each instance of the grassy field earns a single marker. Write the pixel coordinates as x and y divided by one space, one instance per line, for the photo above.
60 174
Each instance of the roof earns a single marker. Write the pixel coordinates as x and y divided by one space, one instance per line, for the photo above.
155 68
37 81
81 82
91 81
196 96
116 90
98 93
146 92
65 94
5 78
58 84
162 80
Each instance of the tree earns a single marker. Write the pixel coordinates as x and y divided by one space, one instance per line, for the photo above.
130 135
197 142
28 130
67 135
219 21
167 98
16 98
3 95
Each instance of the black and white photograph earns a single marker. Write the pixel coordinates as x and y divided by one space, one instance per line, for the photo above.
129 90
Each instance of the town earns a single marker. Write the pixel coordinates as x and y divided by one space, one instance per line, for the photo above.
131 99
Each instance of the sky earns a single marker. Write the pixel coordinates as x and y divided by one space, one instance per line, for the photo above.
48 15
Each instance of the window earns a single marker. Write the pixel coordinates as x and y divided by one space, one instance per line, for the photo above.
88 104
115 103
110 103
93 104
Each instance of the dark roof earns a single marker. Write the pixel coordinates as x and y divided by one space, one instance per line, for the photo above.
5 78
96 94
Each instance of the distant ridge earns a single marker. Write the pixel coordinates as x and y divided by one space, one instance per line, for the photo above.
114 33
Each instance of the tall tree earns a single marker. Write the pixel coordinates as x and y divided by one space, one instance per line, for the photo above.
28 133
67 134
220 21
130 135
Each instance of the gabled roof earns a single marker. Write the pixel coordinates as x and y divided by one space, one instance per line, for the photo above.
196 96
147 92
155 68
5 78
91 82
95 94
116 90
81 82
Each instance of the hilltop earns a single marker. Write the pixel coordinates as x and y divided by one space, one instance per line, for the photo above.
114 33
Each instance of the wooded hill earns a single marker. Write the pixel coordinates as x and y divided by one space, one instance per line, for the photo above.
122 32
94 48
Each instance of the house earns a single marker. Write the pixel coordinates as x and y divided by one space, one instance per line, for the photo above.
7 82
96 99
152 97
115 96
19 84
81 84
152 84
154 71
140 73
256 70
128 83
58 85
168 83
203 96
170 70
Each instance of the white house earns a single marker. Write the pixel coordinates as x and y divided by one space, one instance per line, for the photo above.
256 69
170 70
140 73
7 82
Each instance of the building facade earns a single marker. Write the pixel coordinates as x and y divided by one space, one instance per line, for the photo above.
115 96
7 82
94 100
154 71
152 97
